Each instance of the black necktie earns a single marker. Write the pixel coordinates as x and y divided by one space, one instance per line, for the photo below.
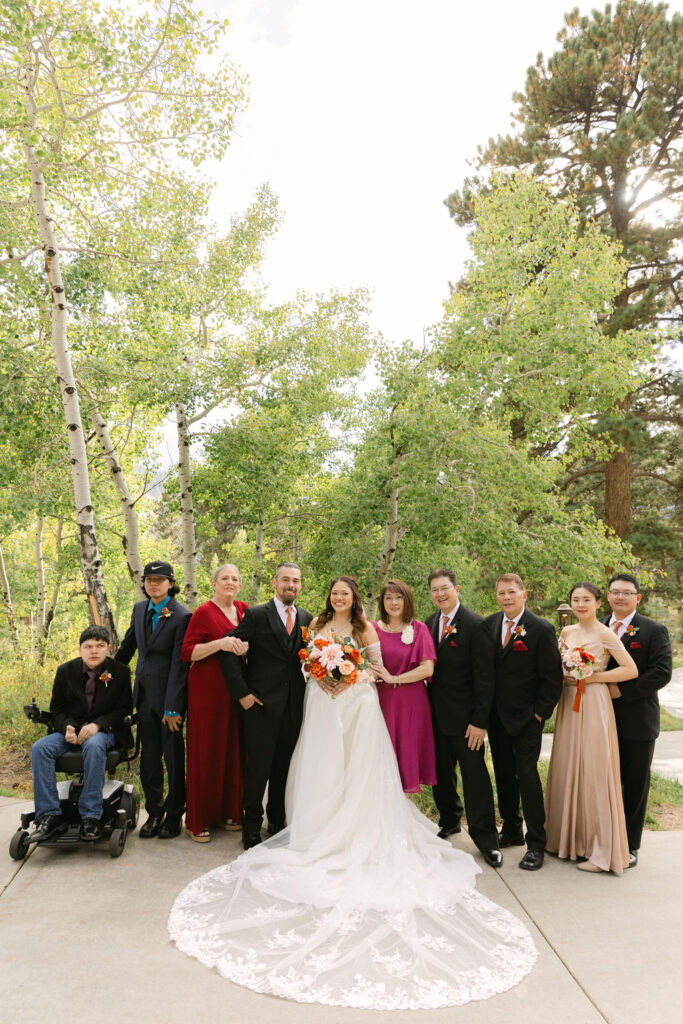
90 688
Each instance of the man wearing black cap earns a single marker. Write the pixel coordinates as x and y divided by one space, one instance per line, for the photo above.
156 632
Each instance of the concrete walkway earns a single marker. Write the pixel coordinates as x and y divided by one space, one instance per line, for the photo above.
83 936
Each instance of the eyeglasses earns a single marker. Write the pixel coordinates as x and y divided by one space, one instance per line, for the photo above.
623 593
442 590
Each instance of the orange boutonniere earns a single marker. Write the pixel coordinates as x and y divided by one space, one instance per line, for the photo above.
305 634
449 630
106 678
166 612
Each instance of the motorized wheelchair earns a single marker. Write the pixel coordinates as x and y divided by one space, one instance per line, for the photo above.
120 802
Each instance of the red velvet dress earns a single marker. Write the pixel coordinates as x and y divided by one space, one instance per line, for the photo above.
215 746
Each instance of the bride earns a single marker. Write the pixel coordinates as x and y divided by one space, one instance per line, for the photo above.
357 902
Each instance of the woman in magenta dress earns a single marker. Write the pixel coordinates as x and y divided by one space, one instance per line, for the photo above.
408 656
215 749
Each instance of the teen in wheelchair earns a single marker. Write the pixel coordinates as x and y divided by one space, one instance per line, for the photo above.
88 734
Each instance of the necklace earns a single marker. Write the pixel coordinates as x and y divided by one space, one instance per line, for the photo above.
336 629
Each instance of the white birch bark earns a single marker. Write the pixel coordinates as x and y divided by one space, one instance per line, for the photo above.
8 606
99 612
131 539
40 579
187 532
257 577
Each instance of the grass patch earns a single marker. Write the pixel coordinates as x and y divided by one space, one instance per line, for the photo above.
669 722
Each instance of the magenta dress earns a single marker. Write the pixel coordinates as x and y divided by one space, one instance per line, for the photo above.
406 707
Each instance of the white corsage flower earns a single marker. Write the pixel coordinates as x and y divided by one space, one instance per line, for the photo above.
408 635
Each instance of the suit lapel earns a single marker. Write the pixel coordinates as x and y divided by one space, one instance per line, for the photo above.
277 626
504 651
455 622
161 625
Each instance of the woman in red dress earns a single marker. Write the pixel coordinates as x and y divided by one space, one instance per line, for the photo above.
215 748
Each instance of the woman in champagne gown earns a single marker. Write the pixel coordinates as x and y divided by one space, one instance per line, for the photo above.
357 902
584 807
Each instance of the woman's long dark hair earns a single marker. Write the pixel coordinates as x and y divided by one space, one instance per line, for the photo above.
358 621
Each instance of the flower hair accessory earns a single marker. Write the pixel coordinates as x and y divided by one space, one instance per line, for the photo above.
408 634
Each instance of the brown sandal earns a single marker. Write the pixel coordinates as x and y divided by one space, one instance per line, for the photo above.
230 825
199 837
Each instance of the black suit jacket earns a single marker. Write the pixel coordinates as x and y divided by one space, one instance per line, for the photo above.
462 687
272 668
160 668
528 676
111 703
637 710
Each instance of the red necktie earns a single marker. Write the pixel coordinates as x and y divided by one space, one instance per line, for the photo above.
290 619
510 623
444 627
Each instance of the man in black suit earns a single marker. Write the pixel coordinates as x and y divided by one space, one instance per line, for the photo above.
90 699
270 689
460 696
635 702
156 632
528 686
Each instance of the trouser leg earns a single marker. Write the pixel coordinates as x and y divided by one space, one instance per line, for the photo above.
173 747
478 794
288 734
151 754
94 767
635 759
445 792
260 738
505 771
527 748
44 753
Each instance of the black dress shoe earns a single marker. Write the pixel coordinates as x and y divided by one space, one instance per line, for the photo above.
151 826
532 860
90 829
513 839
632 858
449 830
494 858
170 827
274 828
250 839
48 824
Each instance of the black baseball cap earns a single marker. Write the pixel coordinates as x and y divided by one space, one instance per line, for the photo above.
159 569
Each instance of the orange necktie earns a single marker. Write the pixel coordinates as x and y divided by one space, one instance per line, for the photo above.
444 627
290 619
616 626
510 625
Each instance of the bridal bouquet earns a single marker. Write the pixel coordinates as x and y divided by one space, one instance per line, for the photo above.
334 658
578 664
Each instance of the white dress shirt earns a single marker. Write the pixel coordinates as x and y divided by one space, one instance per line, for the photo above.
282 610
625 623
503 632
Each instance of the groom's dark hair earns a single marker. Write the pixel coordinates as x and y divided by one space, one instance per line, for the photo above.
443 572
627 577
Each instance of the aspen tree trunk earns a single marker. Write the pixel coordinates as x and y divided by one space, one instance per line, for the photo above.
8 606
40 582
131 539
257 578
389 545
99 612
187 531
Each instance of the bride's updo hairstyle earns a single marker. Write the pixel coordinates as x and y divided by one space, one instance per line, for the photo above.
590 587
358 621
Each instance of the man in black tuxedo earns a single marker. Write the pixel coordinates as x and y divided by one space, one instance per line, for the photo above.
528 686
460 696
156 632
90 699
635 702
270 688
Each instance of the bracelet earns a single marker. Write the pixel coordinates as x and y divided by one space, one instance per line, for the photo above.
399 681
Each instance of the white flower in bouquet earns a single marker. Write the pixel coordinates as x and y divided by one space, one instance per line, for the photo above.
331 656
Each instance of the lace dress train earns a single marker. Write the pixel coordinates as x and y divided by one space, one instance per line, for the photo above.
357 902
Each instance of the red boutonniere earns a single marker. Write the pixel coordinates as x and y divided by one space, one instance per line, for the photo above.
519 645
166 612
106 678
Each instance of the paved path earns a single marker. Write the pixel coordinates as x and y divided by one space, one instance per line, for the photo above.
83 936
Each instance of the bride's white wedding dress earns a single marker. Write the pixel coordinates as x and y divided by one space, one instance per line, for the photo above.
357 902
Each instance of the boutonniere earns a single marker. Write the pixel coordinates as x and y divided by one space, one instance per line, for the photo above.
408 634
106 678
450 631
166 612
631 630
306 634
519 631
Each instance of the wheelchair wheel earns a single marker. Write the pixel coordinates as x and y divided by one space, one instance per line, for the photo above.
18 847
117 841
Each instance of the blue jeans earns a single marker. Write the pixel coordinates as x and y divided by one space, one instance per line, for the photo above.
45 752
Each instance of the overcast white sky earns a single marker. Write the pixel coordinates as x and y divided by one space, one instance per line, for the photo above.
363 115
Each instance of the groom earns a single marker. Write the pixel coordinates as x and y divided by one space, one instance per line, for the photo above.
270 689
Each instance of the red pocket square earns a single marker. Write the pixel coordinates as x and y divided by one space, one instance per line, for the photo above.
519 645
453 644
635 646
